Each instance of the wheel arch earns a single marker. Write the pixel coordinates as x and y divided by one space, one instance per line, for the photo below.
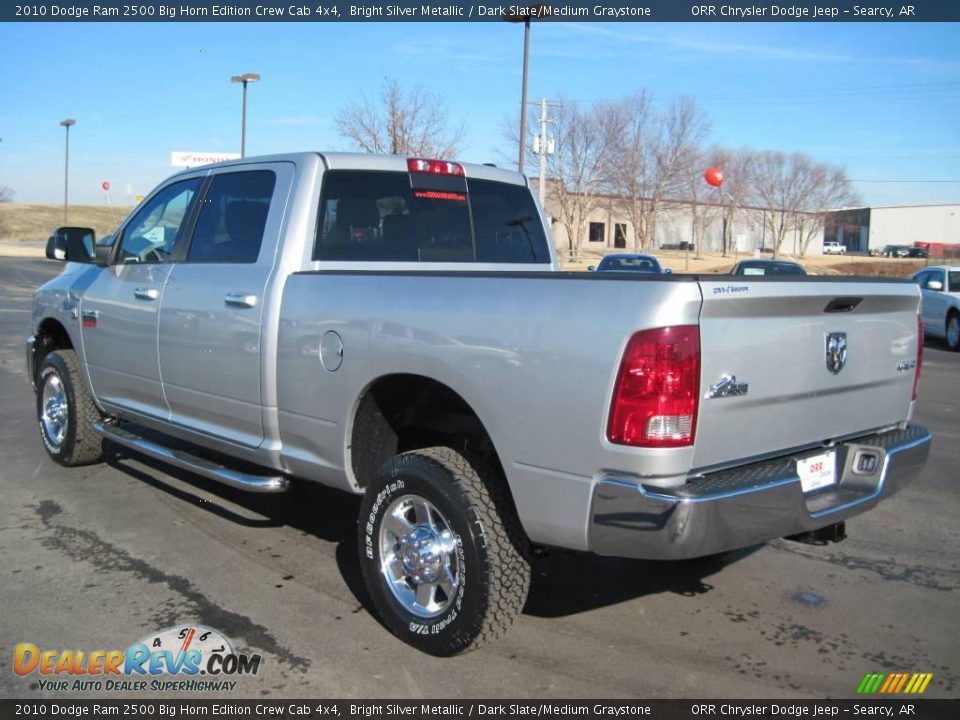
50 335
405 411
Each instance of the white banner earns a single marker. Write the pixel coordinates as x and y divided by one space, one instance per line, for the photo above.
183 158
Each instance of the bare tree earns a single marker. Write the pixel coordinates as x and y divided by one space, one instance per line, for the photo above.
737 189
655 153
700 199
795 190
831 190
6 194
782 182
401 122
577 167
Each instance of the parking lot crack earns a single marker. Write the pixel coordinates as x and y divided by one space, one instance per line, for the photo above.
82 545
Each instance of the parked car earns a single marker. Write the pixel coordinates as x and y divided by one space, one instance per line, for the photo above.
917 252
399 329
834 248
895 251
940 302
768 267
629 262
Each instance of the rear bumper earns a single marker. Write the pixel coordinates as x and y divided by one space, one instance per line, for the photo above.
748 505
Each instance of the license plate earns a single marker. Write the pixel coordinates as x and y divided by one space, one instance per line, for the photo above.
818 471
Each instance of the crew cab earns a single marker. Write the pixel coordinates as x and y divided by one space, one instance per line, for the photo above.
399 328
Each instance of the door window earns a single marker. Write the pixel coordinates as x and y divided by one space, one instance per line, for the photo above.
159 226
232 218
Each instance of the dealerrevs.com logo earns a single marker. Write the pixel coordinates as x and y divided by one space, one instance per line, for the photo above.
188 658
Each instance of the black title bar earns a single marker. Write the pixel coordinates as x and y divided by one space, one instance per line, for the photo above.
144 707
460 11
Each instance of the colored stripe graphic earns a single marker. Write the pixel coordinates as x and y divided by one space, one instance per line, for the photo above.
894 683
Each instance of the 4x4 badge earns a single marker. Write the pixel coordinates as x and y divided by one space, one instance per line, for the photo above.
836 351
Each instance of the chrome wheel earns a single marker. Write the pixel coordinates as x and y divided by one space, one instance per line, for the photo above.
953 331
418 556
55 410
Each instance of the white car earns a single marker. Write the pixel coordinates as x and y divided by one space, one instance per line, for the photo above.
940 291
834 248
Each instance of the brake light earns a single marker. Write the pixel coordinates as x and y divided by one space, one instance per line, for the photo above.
434 167
916 377
657 393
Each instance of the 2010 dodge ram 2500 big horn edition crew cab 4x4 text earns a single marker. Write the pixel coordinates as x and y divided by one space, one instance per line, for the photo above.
399 328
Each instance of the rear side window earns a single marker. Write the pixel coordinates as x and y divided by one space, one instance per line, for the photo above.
506 224
232 218
393 216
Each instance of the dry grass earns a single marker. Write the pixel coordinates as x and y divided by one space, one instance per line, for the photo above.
20 221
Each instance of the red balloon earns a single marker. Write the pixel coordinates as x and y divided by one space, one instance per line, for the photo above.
105 185
714 176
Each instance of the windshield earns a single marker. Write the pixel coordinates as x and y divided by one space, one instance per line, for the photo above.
634 264
770 269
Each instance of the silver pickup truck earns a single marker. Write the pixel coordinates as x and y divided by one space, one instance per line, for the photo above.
400 329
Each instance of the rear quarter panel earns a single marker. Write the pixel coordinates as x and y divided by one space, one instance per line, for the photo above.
535 355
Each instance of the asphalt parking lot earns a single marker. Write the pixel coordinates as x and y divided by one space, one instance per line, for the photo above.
100 557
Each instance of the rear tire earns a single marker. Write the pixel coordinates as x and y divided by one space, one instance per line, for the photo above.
66 412
441 551
952 333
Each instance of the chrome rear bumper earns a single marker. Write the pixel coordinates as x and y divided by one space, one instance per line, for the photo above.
749 505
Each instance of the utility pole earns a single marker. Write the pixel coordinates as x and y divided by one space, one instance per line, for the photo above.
543 154
543 146
65 124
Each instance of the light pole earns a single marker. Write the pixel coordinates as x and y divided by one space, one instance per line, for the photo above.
245 78
538 11
66 165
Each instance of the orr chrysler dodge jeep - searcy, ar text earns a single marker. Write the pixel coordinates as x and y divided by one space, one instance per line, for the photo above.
399 328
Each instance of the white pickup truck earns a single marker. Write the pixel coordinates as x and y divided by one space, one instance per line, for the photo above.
834 248
399 328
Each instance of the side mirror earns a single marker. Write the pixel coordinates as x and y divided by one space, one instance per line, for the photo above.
667 271
72 244
592 268
102 250
935 285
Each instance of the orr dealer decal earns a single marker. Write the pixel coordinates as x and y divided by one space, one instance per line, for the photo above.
185 658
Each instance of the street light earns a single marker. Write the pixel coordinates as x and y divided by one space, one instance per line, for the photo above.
525 16
245 78
66 164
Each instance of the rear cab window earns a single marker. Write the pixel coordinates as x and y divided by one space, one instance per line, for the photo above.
389 216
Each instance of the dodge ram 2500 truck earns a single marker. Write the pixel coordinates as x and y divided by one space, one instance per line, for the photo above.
399 328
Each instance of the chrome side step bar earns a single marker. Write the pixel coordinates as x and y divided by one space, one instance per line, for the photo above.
187 461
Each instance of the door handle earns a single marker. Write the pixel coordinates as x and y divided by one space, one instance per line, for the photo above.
146 293
245 300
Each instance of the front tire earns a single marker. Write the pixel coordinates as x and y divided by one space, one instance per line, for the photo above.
953 331
66 412
441 551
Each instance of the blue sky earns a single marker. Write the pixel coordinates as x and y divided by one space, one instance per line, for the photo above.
882 99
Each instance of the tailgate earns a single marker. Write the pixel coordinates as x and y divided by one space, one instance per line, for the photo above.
772 335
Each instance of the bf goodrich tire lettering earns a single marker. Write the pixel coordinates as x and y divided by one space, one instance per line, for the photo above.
442 555
66 412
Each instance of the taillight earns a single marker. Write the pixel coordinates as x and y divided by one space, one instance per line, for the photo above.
657 393
434 167
916 377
